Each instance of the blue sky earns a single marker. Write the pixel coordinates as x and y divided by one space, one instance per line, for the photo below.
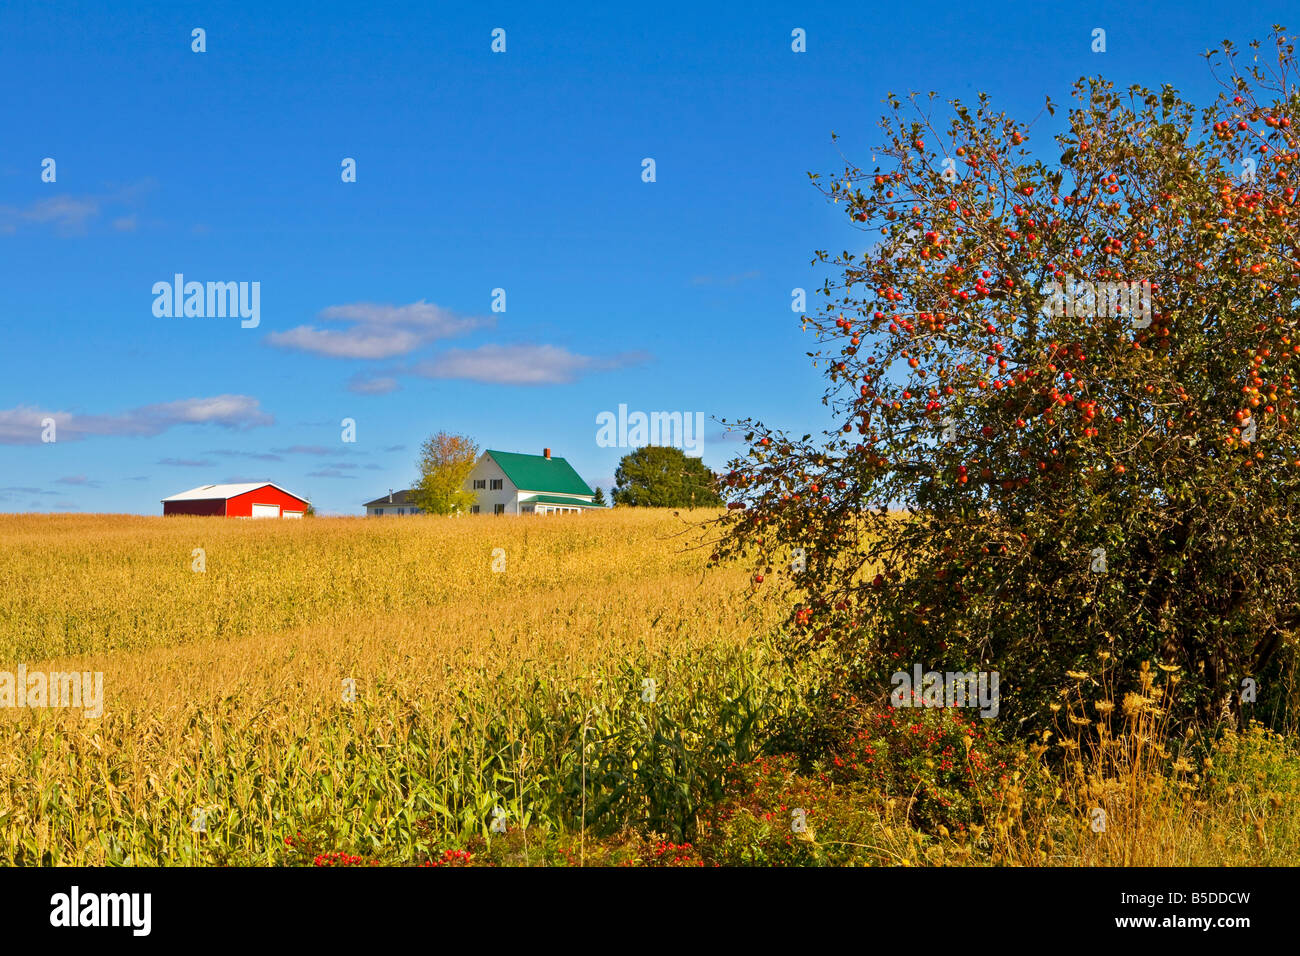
476 171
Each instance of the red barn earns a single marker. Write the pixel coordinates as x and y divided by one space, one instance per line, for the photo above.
252 499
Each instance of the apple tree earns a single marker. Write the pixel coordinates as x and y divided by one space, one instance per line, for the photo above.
1063 395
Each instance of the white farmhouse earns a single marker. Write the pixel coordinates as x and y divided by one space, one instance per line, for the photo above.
505 482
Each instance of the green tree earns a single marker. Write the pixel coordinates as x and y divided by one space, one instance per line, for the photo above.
659 476
599 497
445 463
1076 382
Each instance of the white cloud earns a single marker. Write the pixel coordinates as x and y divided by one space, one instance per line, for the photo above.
230 411
355 343
520 364
24 424
377 331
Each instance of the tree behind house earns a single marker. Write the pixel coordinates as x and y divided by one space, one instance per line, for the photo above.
658 476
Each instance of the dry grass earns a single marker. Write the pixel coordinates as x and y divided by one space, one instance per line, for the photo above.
84 585
209 676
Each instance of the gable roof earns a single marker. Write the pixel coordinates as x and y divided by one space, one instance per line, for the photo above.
539 473
404 497
225 492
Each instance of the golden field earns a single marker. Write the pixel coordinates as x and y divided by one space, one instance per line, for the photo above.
518 695
223 688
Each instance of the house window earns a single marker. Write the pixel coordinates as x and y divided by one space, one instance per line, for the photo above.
498 484
379 511
480 484
474 510
498 509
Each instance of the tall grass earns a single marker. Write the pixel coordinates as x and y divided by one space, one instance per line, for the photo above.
602 685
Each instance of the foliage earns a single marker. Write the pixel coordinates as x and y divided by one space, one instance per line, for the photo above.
946 766
445 463
1077 468
661 476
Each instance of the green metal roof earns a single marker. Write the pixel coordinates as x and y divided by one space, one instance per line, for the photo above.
539 473
558 500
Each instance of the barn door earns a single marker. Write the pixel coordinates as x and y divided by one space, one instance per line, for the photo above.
266 511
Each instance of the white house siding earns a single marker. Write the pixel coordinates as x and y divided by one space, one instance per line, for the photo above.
487 470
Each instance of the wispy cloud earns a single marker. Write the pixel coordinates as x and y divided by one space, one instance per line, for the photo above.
71 215
521 364
328 473
307 450
68 215
229 411
377 331
186 462
80 481
25 424
373 385
235 453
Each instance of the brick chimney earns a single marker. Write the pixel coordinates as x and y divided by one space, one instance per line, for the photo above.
547 453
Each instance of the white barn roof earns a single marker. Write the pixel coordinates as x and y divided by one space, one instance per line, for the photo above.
210 492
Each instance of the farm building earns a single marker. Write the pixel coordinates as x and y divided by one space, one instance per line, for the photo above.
394 503
505 482
252 499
